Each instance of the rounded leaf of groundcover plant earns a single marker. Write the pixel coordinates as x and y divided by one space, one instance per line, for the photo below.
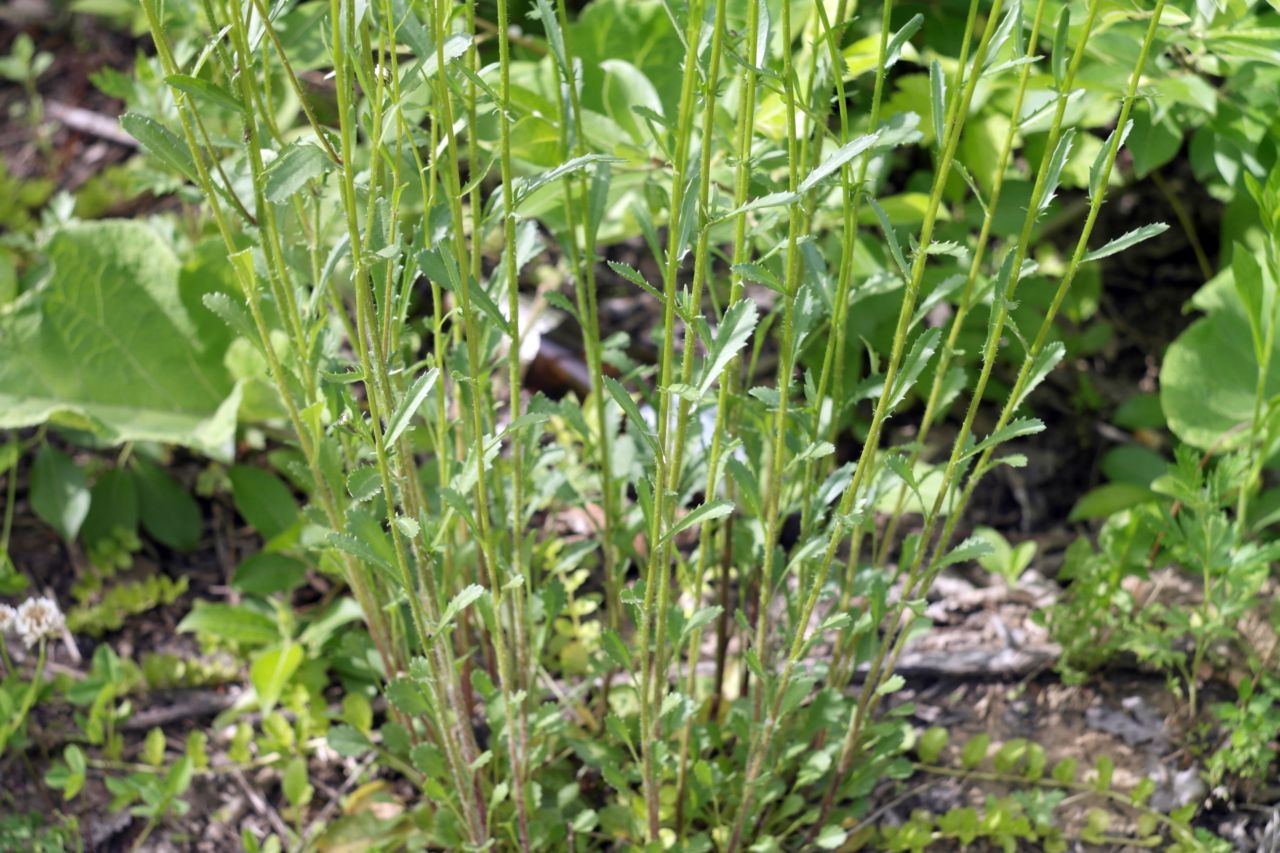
114 340
1209 377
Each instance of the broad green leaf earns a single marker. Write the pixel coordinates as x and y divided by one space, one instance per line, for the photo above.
625 88
115 340
113 507
59 491
161 143
233 623
266 573
409 405
297 789
349 742
272 670
1109 499
1124 241
931 744
263 500
1210 373
168 513
975 750
731 336
289 173
705 512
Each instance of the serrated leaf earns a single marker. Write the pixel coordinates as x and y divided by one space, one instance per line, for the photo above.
467 596
290 172
1045 361
162 143
1126 240
1014 429
633 275
915 362
973 548
731 336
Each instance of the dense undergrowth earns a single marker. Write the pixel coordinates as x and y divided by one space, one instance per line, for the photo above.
665 612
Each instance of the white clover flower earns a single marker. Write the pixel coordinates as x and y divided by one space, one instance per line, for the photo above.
8 616
39 619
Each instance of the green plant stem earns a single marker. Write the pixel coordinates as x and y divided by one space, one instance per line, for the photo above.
657 575
922 572
934 404
952 129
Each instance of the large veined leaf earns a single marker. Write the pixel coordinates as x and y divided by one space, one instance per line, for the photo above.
116 340
1210 372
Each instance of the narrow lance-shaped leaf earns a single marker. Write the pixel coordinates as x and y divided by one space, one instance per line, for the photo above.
632 411
1248 276
776 199
938 100
735 330
1095 171
891 237
1012 20
1059 59
205 91
705 512
838 158
1054 174
893 52
409 405
1126 240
